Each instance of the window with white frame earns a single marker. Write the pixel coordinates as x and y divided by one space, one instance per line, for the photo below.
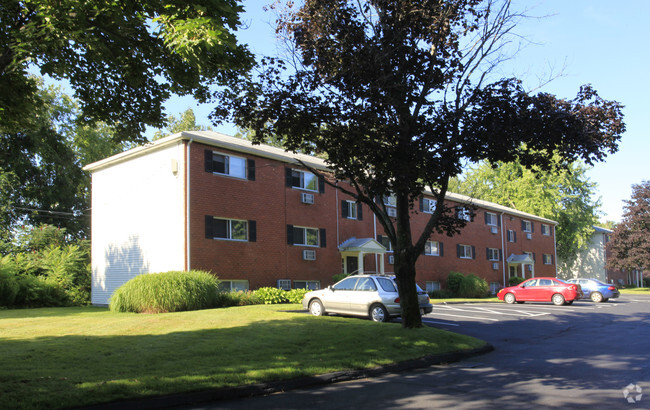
228 165
465 251
306 284
390 200
493 254
305 236
491 219
512 236
229 229
548 259
428 205
527 226
382 239
233 285
351 210
432 248
546 230
432 286
494 287
304 180
464 213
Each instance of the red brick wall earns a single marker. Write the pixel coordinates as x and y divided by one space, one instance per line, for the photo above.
274 206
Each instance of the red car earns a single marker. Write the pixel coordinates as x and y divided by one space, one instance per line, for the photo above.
541 290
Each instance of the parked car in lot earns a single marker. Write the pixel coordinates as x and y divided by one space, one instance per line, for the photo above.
373 296
541 290
596 290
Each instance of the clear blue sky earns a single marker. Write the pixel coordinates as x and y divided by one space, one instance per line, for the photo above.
598 42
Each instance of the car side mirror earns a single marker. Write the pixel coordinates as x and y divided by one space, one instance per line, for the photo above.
330 288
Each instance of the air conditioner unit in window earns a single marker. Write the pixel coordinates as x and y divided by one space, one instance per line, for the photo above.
529 236
495 266
307 198
392 212
494 229
391 259
309 255
284 284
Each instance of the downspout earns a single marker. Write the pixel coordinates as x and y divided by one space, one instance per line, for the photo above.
187 204
555 249
503 246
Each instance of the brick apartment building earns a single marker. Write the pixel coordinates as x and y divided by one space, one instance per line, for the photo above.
253 216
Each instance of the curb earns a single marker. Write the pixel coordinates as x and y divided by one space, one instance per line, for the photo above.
261 389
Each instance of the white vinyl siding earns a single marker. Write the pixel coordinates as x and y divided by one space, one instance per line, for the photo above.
137 219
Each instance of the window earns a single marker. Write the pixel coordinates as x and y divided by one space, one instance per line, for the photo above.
233 285
229 165
346 284
302 180
464 213
432 286
465 251
305 236
351 210
428 205
512 236
548 259
546 230
432 248
491 219
493 254
284 284
527 226
366 285
386 284
494 287
531 254
385 242
390 200
230 229
306 284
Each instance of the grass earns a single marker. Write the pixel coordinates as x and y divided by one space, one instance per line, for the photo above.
64 357
635 291
461 300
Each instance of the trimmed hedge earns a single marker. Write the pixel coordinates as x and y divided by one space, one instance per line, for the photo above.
167 292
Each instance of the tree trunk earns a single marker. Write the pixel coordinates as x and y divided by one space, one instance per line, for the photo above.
408 295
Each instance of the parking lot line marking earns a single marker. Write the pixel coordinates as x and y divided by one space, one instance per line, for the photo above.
440 323
467 317
479 309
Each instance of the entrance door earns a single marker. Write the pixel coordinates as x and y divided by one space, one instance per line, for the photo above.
512 270
352 263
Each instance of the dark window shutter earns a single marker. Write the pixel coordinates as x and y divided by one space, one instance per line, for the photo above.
379 239
553 259
252 231
486 218
288 181
473 252
532 227
534 257
523 226
458 251
421 204
499 220
251 169
441 249
500 254
344 209
514 236
321 184
209 233
359 211
487 253
323 238
208 161
290 234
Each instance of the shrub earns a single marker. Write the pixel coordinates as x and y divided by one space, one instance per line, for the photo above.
237 298
271 296
515 280
296 295
167 292
9 287
339 276
646 282
473 287
441 294
37 291
453 282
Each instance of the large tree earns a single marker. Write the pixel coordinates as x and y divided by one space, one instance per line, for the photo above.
399 95
564 195
123 59
630 242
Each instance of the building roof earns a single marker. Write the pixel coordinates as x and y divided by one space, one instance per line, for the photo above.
602 230
217 139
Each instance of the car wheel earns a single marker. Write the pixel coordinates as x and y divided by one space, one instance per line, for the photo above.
597 297
509 298
316 308
558 299
378 313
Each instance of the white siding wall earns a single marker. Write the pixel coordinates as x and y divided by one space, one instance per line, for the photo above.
137 219
590 262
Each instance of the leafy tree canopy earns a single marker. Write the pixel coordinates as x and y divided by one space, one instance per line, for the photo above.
564 195
400 94
630 242
122 59
186 122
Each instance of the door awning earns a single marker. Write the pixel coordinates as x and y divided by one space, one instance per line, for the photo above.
524 259
363 245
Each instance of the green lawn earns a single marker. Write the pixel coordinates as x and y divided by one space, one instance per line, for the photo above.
635 291
62 357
